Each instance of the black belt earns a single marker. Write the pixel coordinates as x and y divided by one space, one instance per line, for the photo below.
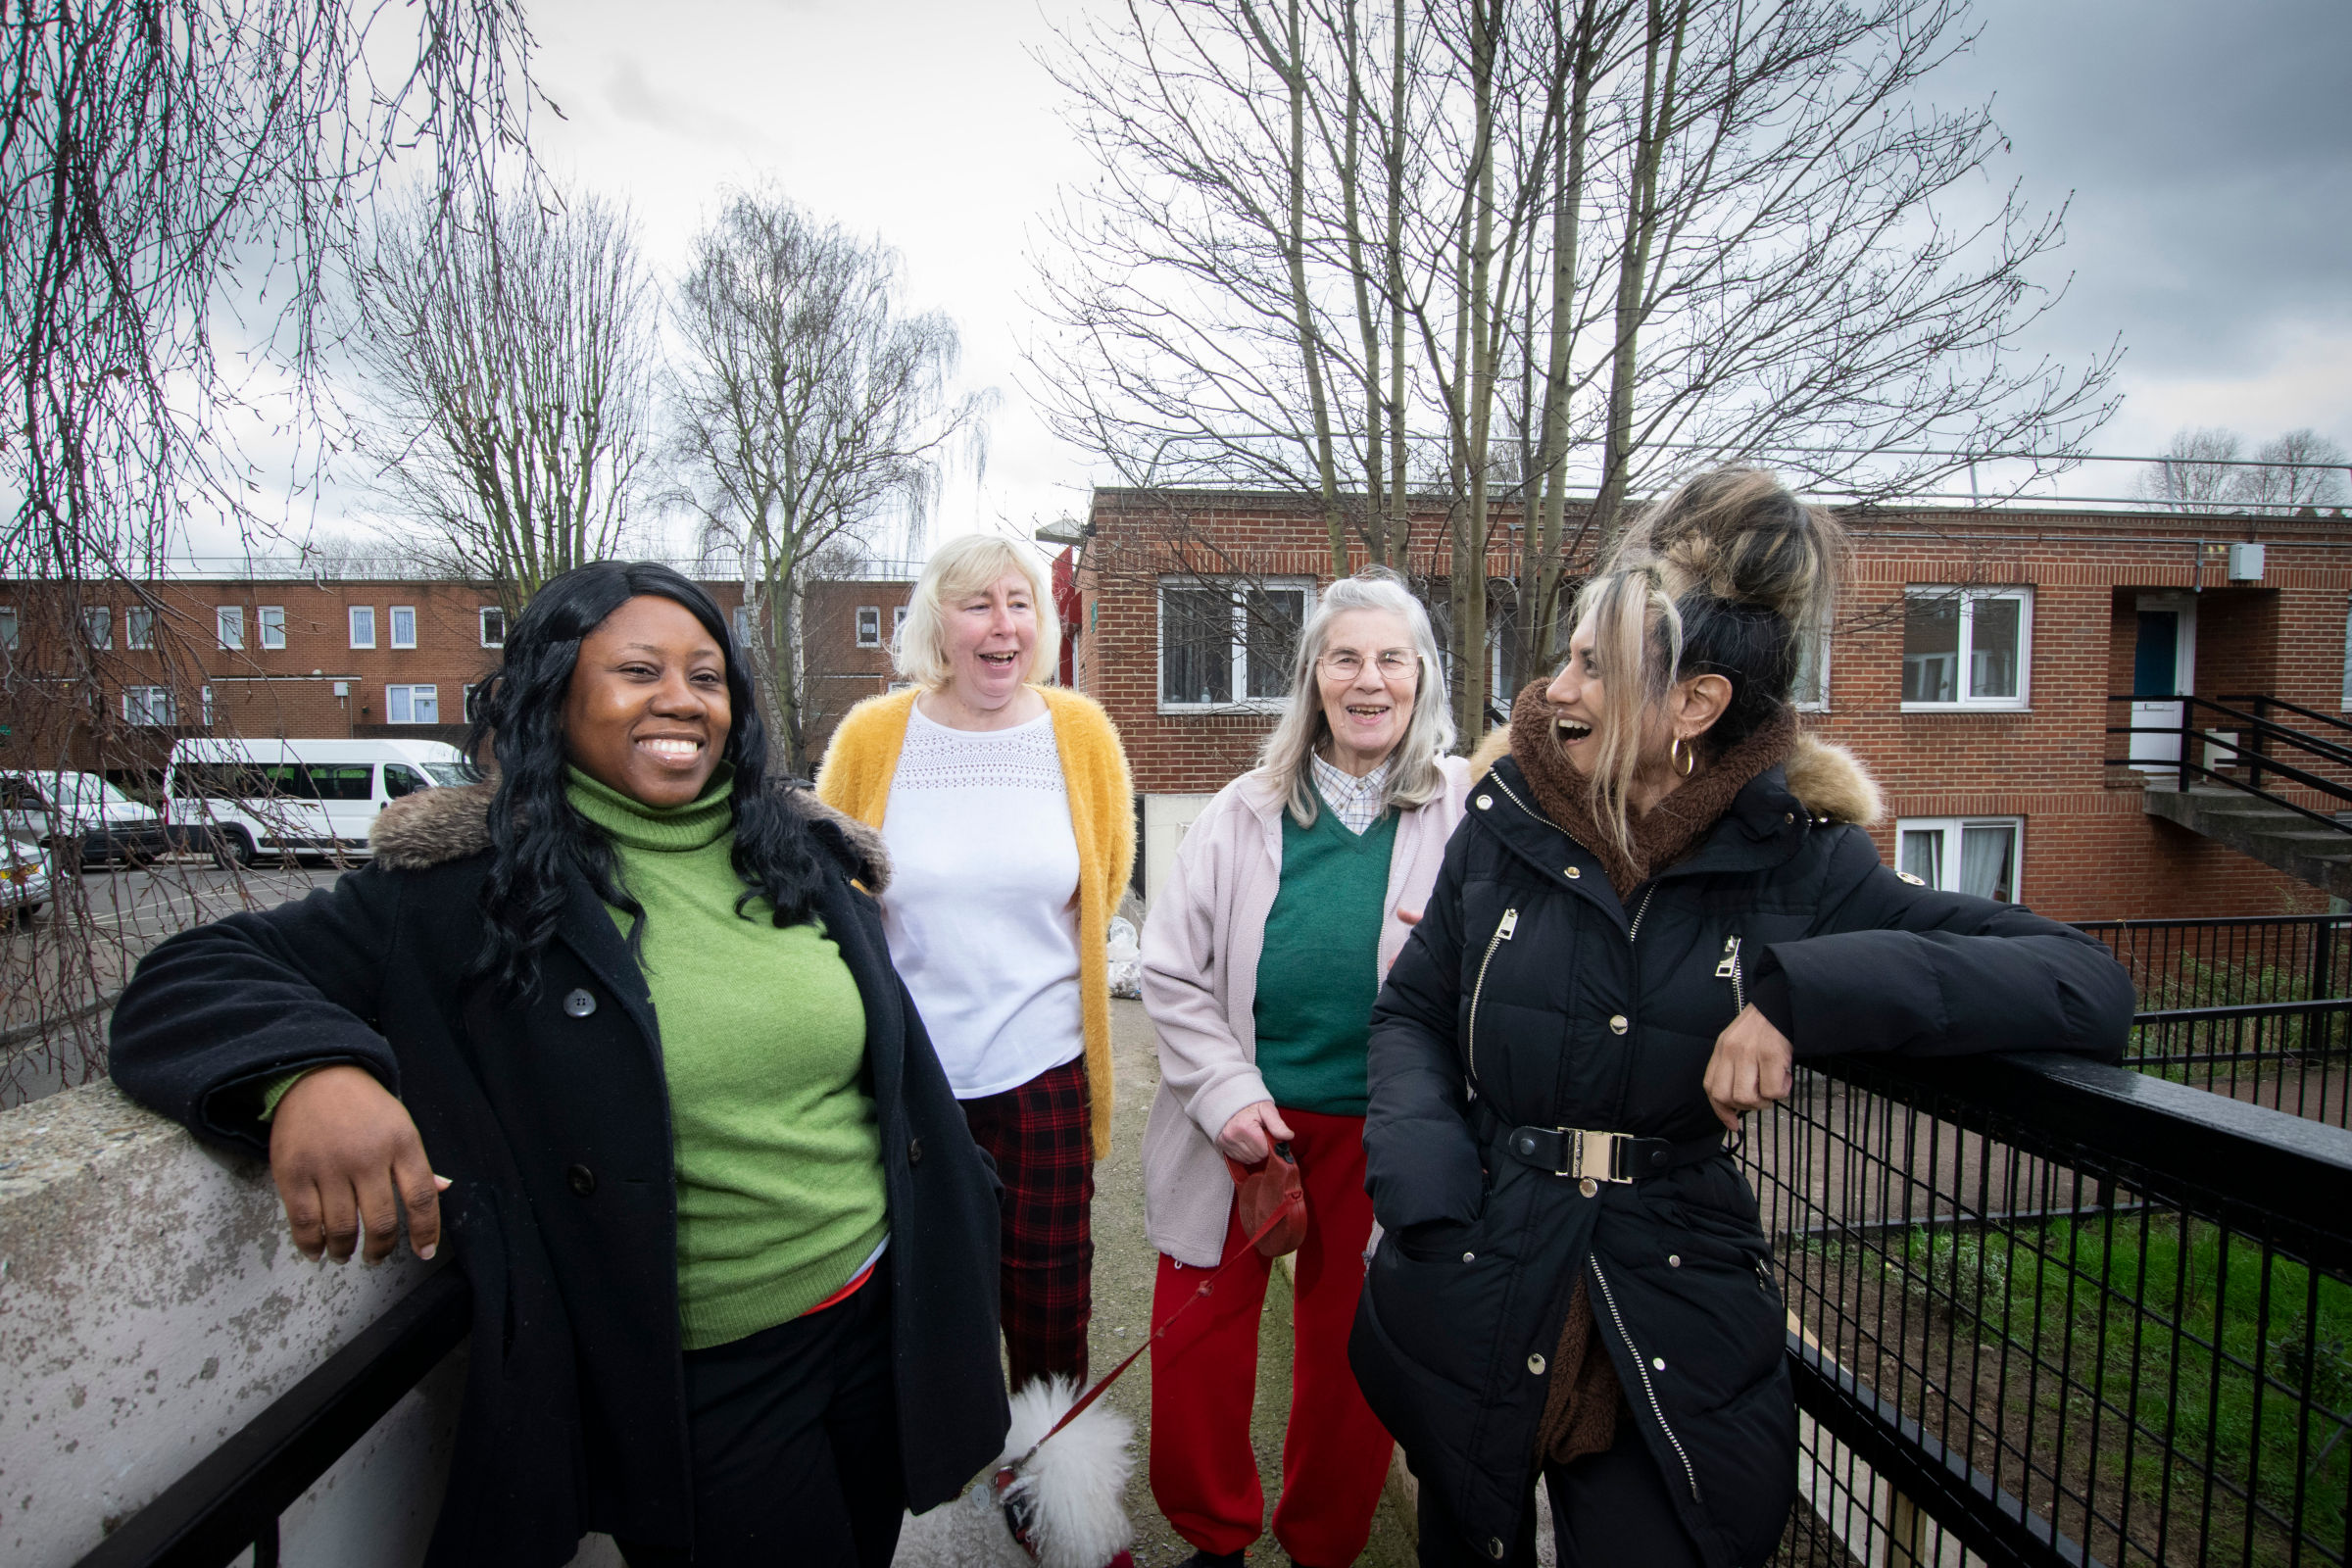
1582 1155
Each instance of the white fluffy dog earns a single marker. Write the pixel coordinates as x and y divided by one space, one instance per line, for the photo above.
1068 1493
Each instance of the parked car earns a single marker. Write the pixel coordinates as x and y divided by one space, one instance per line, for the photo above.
24 878
81 818
303 797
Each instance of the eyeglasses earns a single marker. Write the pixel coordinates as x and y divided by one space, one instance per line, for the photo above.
1393 663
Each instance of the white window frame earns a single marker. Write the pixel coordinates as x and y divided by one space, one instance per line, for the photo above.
1817 643
1969 599
898 621
138 626
150 706
483 617
392 626
9 631
869 626
1951 828
2348 707
408 700
1236 588
273 625
228 626
353 619
98 626
742 625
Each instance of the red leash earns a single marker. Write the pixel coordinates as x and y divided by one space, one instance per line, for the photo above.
1295 1200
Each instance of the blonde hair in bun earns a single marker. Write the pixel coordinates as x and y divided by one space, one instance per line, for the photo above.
1730 574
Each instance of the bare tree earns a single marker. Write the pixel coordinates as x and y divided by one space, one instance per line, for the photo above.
1584 245
2300 469
812 412
509 360
181 184
2197 473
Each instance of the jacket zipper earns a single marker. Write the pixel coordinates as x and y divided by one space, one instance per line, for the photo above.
1643 1367
1503 933
1729 969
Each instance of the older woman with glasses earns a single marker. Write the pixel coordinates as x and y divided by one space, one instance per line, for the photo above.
1293 893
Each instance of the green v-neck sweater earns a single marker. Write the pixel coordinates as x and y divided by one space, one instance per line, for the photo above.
1320 967
777 1148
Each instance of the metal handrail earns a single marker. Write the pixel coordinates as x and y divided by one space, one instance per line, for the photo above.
2329 719
233 1498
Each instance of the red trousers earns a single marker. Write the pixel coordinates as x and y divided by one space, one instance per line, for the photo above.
1335 1455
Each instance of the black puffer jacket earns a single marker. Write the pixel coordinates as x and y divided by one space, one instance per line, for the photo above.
552 1114
1531 996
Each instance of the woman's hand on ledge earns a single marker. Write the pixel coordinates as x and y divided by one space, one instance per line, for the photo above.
1252 1132
342 1150
1753 1066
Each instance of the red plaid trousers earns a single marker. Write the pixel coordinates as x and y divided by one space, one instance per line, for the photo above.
1037 1134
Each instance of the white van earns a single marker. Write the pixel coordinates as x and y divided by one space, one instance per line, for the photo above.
308 797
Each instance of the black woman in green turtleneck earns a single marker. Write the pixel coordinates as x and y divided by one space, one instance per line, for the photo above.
731 1249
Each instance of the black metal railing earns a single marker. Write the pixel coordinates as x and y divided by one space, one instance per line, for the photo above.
2261 748
2253 1007
2046 1311
232 1500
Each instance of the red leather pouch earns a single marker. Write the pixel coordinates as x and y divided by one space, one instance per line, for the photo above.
1273 1200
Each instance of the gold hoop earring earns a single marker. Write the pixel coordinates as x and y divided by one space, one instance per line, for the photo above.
1684 758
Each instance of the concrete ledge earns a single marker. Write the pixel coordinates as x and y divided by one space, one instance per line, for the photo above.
150 1305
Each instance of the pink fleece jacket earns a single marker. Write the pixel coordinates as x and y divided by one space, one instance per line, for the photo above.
1201 940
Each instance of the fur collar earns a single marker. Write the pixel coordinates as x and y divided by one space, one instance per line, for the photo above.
433 827
1828 781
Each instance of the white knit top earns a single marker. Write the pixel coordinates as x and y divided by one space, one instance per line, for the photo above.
980 912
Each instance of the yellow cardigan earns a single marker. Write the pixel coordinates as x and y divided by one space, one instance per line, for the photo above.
855 779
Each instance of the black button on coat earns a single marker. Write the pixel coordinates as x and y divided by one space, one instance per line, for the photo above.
1510 986
574 1409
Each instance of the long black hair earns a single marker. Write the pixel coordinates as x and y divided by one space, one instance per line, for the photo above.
537 838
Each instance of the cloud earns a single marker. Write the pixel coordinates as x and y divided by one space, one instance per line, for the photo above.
631 96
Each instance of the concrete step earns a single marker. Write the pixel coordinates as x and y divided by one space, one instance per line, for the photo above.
2272 834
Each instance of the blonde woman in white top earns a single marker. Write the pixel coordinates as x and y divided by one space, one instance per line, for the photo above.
1006 806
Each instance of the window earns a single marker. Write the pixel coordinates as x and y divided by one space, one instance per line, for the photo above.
1967 647
1228 643
274 625
412 704
138 626
341 781
148 705
742 625
471 698
869 625
1810 691
98 625
400 781
404 626
898 624
229 622
8 630
363 625
494 626
1962 855
7 638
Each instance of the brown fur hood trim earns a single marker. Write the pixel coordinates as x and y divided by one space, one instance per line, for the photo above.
433 827
1830 782
1826 778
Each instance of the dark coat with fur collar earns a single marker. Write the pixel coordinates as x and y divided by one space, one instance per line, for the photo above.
551 1118
1531 995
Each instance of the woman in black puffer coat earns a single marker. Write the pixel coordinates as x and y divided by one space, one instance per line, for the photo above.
1658 899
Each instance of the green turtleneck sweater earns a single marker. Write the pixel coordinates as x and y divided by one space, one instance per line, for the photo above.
778 1147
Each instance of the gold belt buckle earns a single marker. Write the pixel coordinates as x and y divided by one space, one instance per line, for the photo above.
1597 1157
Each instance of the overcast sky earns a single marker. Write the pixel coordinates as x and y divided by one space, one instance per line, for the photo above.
2207 151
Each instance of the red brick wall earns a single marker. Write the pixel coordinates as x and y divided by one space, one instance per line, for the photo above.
2089 852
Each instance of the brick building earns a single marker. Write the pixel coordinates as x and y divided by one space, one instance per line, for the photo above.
302 657
1972 668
